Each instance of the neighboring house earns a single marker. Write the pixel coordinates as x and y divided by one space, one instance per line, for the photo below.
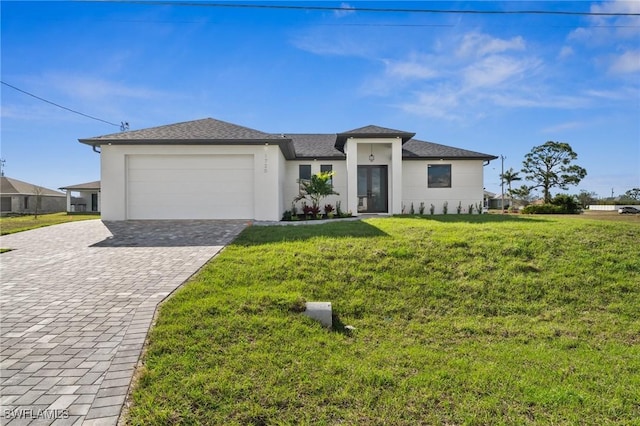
87 198
211 169
20 197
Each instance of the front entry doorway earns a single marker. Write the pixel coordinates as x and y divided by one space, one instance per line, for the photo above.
372 189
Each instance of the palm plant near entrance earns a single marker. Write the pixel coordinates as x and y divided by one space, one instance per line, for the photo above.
316 189
508 177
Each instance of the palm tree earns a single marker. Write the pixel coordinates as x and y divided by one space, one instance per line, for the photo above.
510 176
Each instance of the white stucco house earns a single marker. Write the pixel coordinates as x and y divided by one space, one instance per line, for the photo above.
83 197
211 169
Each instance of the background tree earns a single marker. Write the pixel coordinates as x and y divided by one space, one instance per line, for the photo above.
585 198
632 194
508 177
549 166
523 194
37 193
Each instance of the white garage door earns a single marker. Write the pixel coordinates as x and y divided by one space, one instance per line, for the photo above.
190 186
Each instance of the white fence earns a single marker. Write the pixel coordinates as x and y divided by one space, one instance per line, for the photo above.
610 208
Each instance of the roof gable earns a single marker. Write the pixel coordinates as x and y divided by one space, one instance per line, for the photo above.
207 131
371 131
10 186
204 129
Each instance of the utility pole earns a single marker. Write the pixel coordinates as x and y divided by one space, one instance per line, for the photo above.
502 157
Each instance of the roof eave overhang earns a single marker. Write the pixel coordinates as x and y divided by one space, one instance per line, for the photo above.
285 144
321 157
449 158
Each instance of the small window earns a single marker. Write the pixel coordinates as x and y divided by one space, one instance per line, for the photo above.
327 168
26 202
439 175
304 172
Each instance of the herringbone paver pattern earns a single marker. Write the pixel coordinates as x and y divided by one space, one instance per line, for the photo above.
76 302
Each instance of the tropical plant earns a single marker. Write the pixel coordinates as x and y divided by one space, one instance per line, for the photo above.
421 208
445 207
549 166
316 188
432 209
508 177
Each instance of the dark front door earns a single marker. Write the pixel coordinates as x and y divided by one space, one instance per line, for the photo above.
372 189
94 202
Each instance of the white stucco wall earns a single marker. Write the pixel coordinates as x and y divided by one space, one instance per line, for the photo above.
267 159
466 185
386 151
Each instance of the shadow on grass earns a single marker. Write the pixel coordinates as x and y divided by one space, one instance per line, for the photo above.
475 218
256 235
339 327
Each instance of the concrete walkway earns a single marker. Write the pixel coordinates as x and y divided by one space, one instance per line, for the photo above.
76 302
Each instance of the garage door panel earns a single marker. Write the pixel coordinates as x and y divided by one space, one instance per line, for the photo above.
190 187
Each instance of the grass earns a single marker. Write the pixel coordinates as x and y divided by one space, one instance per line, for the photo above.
10 225
474 320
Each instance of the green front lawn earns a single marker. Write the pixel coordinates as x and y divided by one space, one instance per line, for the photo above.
458 320
10 225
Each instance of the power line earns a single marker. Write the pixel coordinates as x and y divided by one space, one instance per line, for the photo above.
58 105
362 9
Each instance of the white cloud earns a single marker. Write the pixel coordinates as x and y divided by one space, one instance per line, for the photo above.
411 69
441 103
335 43
346 9
89 88
570 125
628 62
566 52
602 30
496 70
477 44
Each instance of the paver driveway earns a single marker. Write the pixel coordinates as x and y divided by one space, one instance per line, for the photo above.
76 301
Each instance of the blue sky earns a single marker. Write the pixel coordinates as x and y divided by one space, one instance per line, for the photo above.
495 83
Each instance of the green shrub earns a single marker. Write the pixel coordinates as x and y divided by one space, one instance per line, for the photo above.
568 203
560 204
542 209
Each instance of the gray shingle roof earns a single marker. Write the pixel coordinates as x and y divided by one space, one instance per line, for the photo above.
204 129
10 186
210 131
371 131
84 186
318 146
417 149
207 131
